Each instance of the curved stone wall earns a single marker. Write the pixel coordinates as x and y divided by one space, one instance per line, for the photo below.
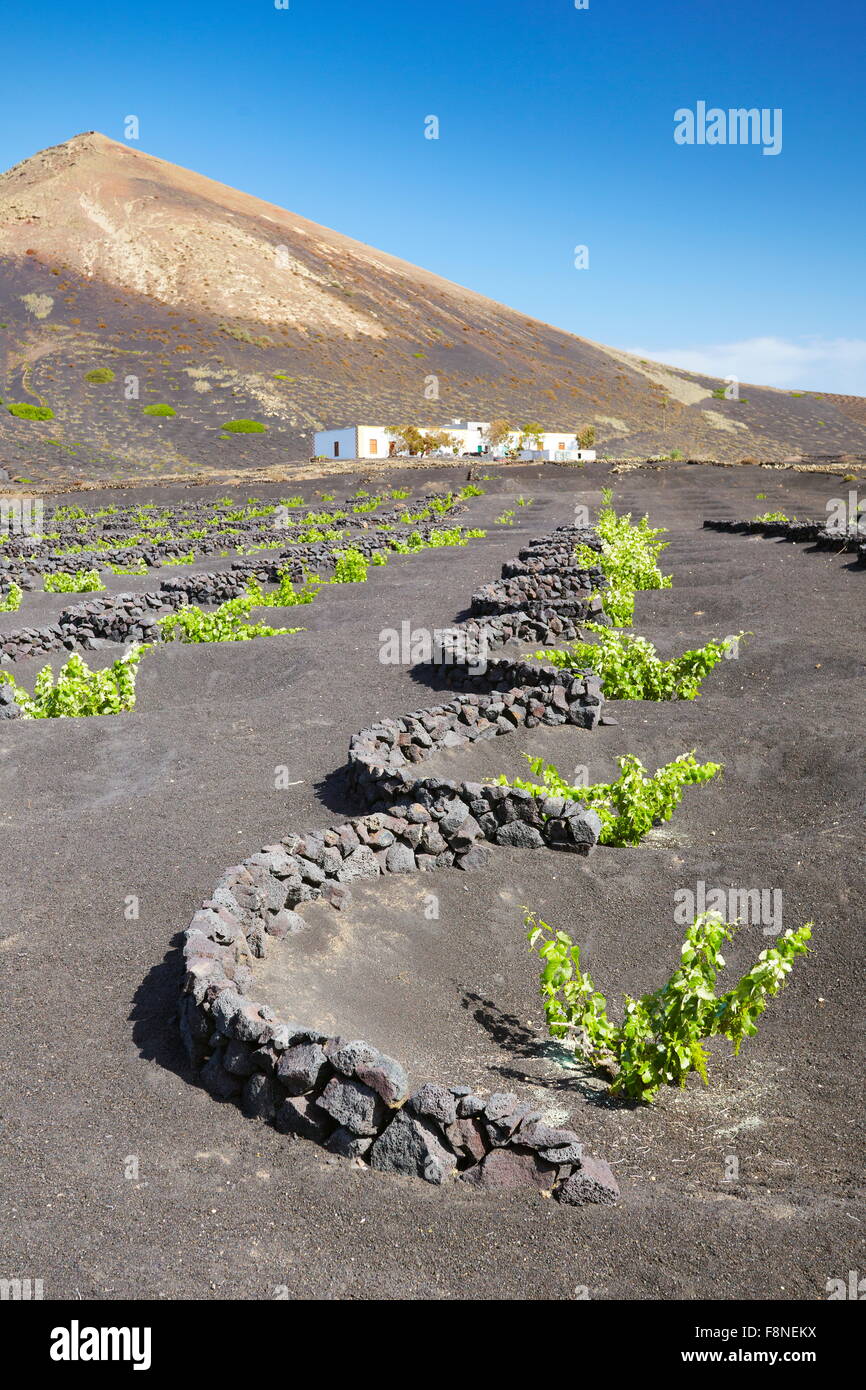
346 1094
129 617
22 556
823 537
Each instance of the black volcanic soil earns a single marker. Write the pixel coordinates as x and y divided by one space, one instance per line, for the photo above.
157 802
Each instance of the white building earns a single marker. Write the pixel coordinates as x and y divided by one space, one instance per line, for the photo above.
374 441
553 447
354 442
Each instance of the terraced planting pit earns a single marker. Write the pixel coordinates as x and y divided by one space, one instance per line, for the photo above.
456 999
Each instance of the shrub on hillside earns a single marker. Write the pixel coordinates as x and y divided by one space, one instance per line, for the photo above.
23 410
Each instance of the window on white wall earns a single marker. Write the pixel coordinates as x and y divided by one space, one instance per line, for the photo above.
374 446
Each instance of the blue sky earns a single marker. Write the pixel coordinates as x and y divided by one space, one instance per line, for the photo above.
555 130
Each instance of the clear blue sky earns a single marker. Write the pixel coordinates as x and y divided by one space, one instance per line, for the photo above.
556 129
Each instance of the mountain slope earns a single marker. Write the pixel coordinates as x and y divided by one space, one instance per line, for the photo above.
222 306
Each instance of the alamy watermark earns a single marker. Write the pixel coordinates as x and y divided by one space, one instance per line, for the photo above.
845 513
22 516
714 125
77 1343
20 1290
756 907
853 1287
409 646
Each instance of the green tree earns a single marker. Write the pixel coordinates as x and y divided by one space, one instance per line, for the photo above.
438 439
498 435
409 439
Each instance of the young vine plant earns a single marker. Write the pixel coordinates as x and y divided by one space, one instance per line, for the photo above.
81 582
12 601
77 691
632 805
350 567
628 559
631 669
228 623
661 1036
285 595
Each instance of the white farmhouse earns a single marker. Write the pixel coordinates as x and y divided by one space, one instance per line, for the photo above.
374 442
552 447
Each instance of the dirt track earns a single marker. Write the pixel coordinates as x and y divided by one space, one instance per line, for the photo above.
157 802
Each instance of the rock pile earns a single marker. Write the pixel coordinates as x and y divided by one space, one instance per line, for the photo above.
91 624
553 554
538 594
383 758
354 1099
